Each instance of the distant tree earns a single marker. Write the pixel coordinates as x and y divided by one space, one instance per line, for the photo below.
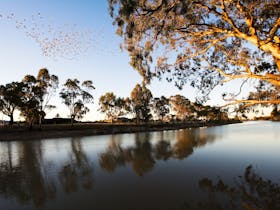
211 113
75 96
10 99
140 102
37 94
275 114
160 107
30 108
181 106
112 106
49 84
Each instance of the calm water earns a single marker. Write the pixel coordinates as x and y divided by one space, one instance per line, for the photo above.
186 169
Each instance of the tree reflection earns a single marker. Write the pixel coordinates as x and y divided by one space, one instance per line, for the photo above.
143 154
139 156
78 172
24 175
187 140
184 145
251 192
114 156
26 179
163 150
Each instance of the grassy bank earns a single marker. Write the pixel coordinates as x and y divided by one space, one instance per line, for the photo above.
88 129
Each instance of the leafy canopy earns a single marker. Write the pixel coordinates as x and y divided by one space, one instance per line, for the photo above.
113 106
11 96
75 96
201 42
140 98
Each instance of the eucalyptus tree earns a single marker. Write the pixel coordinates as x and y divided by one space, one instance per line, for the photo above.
182 107
32 95
275 114
140 98
204 43
37 94
112 106
11 96
75 96
160 107
48 84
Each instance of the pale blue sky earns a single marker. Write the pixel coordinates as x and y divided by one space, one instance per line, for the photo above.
103 63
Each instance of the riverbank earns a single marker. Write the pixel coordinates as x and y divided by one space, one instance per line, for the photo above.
90 129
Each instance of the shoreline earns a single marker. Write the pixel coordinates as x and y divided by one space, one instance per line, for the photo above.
56 131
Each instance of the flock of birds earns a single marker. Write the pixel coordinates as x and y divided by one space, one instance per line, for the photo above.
66 41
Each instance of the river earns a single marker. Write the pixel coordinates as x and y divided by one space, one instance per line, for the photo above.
225 167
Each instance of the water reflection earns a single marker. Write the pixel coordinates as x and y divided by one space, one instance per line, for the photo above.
26 180
143 155
78 172
26 177
250 192
170 171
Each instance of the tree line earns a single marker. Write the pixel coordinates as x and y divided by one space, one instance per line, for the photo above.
31 96
142 106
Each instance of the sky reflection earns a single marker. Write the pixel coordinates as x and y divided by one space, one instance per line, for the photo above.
166 170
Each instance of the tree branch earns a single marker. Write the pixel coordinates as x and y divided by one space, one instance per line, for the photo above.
251 102
273 30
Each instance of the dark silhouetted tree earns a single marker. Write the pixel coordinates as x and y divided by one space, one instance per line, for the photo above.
49 84
75 96
30 108
11 96
160 107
